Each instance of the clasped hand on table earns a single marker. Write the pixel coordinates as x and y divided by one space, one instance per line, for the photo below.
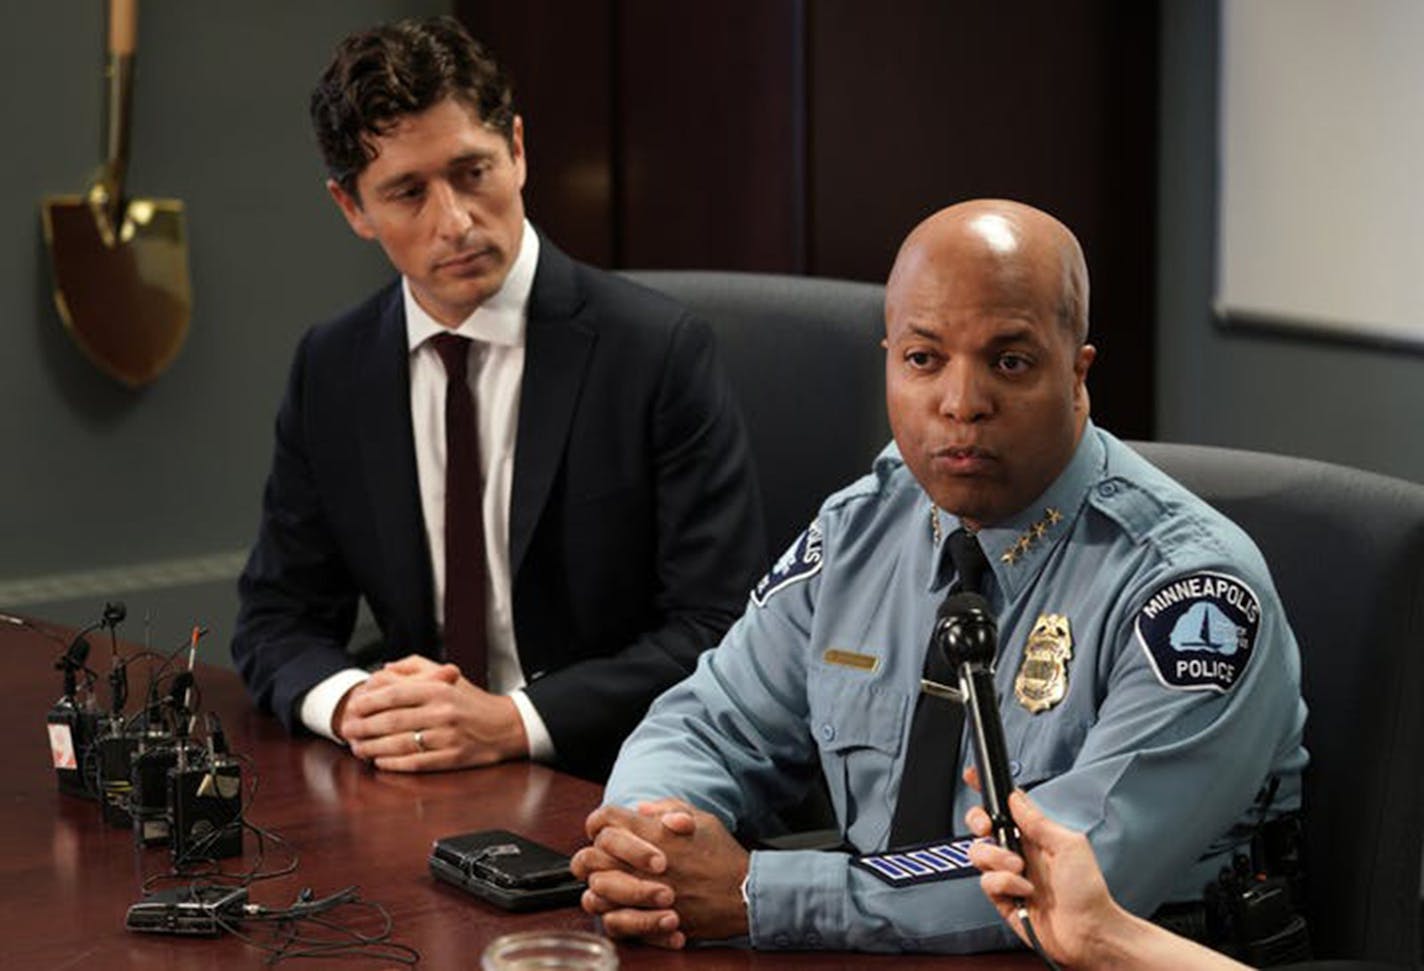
663 873
415 715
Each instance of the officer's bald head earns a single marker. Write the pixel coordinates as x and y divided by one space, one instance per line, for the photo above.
986 323
1018 245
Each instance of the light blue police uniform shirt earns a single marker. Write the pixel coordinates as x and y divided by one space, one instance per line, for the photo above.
1182 696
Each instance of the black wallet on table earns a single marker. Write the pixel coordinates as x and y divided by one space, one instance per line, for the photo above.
506 869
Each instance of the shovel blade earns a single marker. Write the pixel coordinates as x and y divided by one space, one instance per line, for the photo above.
127 305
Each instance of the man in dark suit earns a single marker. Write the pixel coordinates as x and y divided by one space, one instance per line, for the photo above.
533 472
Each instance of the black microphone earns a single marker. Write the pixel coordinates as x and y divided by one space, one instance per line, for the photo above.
178 691
71 662
77 654
216 739
114 613
969 638
119 687
113 616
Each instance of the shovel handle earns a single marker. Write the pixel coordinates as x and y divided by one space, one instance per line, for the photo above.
123 27
123 39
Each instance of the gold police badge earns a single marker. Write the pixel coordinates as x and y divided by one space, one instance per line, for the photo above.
1042 680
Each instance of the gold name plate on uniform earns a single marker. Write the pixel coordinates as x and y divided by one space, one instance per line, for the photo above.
850 659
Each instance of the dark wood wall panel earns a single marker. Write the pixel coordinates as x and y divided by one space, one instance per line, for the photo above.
561 56
809 136
709 124
918 104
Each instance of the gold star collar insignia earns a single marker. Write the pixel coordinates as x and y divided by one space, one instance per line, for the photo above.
1031 535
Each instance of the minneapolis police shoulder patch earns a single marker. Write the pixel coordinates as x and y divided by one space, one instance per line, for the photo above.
1199 631
801 562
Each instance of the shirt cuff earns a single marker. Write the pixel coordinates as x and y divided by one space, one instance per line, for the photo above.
319 704
797 900
541 745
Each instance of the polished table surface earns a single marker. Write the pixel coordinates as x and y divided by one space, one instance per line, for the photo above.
67 878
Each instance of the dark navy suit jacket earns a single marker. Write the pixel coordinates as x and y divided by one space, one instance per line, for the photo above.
635 523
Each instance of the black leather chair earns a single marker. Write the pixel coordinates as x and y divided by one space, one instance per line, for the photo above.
804 359
1346 549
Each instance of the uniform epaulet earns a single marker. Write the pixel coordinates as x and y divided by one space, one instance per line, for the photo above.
888 465
1125 503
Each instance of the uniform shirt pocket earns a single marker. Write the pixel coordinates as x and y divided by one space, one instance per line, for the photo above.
859 728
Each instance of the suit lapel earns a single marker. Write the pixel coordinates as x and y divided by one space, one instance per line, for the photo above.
388 457
558 343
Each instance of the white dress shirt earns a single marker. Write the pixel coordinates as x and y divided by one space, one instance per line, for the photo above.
495 374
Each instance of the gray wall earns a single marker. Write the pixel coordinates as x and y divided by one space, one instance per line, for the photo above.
153 495
1355 405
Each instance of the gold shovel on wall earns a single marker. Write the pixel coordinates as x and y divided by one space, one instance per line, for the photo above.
120 265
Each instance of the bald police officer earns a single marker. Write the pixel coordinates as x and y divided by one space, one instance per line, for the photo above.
1148 678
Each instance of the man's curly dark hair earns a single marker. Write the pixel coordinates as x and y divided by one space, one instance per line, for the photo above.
380 75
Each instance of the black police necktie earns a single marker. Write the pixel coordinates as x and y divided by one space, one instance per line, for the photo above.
465 634
925 807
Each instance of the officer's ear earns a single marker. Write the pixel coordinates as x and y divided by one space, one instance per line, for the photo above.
1082 362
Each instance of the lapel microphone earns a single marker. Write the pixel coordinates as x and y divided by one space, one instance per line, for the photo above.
967 635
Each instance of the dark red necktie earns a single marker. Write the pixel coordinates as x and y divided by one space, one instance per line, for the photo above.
465 635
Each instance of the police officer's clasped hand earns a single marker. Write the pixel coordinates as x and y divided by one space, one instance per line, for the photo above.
663 873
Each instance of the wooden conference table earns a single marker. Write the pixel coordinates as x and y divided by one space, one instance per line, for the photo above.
67 878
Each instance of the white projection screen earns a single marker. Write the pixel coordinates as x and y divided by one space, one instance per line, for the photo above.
1321 191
